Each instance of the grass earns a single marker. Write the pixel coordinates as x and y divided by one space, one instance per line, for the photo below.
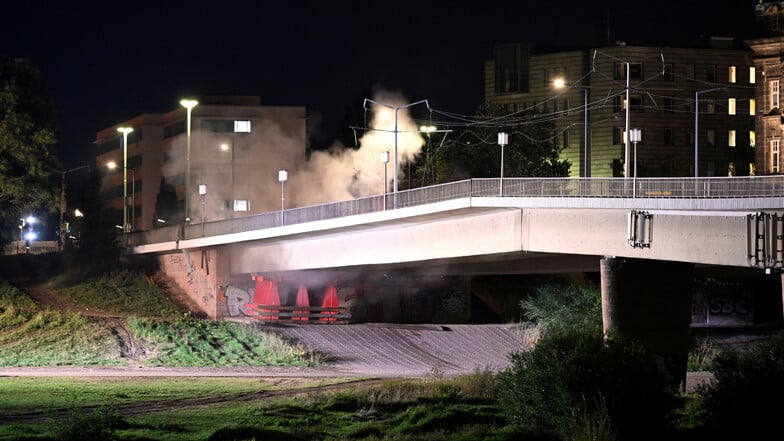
460 408
32 335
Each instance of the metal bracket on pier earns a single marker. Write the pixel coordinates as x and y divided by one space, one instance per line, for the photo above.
640 229
766 243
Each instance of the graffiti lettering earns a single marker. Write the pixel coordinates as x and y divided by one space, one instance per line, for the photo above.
727 306
236 298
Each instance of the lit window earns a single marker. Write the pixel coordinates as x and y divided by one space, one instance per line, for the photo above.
752 106
752 138
731 106
752 169
752 75
731 169
731 138
774 93
733 74
241 126
241 205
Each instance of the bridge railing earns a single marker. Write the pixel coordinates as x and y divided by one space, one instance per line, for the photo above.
714 187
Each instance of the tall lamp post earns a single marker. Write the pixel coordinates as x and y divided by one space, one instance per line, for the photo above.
189 104
697 127
385 161
111 165
396 109
559 83
635 136
63 204
503 139
125 131
282 177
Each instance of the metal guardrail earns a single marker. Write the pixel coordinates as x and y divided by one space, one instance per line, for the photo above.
695 188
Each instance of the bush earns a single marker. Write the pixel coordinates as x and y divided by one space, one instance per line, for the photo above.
747 396
100 425
576 381
557 306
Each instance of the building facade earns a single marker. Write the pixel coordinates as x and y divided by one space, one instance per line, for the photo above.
237 147
768 62
594 95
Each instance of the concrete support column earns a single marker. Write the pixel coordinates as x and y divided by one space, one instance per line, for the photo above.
650 301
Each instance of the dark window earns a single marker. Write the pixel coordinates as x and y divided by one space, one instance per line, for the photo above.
566 139
637 103
618 135
710 73
217 125
690 69
174 129
668 137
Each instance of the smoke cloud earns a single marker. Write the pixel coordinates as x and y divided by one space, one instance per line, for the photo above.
346 173
244 166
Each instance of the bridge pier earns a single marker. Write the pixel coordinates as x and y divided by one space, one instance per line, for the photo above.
650 301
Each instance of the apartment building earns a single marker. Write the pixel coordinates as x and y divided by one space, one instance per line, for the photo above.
237 146
667 93
768 62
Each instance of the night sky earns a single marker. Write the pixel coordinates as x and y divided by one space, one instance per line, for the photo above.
107 62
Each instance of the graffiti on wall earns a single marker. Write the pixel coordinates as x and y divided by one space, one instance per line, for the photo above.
234 300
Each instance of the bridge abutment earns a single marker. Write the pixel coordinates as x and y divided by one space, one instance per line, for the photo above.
650 301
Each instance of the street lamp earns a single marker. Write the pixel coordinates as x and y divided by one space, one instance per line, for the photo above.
189 104
396 109
125 131
63 203
559 83
282 177
385 160
203 193
427 131
503 139
111 165
697 126
635 136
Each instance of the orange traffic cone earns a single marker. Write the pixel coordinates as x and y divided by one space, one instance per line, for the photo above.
302 300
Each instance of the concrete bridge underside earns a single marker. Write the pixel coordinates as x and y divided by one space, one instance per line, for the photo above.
646 258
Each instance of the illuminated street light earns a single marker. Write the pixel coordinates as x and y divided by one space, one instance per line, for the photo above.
560 83
111 165
189 104
503 139
282 177
125 131
203 193
635 136
385 161
396 109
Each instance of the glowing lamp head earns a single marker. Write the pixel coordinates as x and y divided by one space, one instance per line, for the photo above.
111 165
188 103
559 83
31 235
125 130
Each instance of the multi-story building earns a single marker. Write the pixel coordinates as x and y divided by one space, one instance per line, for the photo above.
237 147
768 62
661 86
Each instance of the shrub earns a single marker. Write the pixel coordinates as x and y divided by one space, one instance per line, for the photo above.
747 396
574 376
557 306
100 425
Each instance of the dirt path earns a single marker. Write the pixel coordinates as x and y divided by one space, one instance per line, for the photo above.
142 407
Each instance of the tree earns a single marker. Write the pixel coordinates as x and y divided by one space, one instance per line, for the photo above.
28 178
474 150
